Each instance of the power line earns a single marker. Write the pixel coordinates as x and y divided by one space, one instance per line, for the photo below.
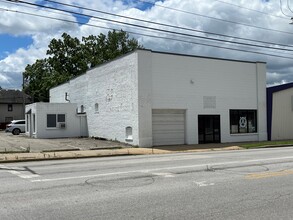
148 35
281 8
166 25
156 29
288 6
209 17
32 7
250 9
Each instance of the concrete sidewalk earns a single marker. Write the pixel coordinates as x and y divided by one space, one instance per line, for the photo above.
54 155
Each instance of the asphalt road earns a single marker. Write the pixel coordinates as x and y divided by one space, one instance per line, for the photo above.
250 184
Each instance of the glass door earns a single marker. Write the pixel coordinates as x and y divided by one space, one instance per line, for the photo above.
209 129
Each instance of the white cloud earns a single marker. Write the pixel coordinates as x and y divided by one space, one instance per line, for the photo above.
43 30
21 19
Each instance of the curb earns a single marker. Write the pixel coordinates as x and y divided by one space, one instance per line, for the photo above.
61 155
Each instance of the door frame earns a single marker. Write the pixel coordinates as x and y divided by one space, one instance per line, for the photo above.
204 134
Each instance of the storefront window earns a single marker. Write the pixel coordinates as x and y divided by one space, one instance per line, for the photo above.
243 121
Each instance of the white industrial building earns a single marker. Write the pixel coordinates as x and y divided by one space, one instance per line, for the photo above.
280 112
148 98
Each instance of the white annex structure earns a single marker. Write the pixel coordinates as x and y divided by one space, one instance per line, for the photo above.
54 120
150 98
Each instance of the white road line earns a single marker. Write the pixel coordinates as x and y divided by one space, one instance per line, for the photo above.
83 177
203 183
164 174
22 174
204 166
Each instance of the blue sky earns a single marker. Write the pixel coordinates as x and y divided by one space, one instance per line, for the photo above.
24 38
10 43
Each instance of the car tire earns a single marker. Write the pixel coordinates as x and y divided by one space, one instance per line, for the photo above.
16 131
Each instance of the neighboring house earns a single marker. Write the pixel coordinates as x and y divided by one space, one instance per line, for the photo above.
150 98
280 112
12 105
55 120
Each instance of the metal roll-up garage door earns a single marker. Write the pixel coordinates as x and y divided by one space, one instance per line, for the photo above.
168 127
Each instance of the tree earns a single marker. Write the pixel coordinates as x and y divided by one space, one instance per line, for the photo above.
100 49
36 80
69 57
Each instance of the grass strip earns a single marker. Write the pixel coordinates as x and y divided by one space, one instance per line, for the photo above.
263 144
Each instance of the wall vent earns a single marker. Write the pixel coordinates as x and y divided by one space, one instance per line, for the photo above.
209 102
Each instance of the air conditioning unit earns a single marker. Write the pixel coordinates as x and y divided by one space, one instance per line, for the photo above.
61 125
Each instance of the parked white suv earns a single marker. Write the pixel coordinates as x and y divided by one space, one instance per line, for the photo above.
16 127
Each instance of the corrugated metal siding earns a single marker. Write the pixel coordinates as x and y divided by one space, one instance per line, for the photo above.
282 115
168 127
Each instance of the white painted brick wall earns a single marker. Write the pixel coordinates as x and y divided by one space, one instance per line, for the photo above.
114 87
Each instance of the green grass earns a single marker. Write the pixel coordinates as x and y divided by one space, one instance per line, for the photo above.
266 144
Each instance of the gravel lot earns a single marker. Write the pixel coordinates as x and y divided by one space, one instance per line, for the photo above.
9 142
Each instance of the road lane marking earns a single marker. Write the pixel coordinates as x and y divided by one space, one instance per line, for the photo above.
202 166
203 183
23 174
268 174
20 172
164 174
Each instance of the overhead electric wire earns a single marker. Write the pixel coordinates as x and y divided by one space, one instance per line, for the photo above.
281 8
250 9
147 35
32 7
166 25
156 29
288 6
218 19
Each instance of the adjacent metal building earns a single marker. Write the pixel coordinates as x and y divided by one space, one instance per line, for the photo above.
280 112
148 98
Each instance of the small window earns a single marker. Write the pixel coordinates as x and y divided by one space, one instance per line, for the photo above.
54 119
128 132
61 118
10 107
97 108
51 121
243 121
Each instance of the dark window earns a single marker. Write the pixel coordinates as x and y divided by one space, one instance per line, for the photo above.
61 118
51 121
10 107
243 121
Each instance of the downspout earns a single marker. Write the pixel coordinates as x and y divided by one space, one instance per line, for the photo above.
66 97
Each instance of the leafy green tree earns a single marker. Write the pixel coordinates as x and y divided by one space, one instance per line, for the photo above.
36 80
66 56
69 57
100 49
